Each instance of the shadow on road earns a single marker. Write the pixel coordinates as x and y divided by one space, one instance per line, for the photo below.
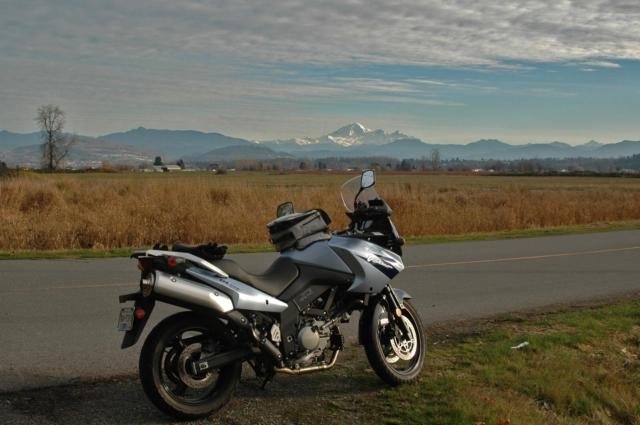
322 398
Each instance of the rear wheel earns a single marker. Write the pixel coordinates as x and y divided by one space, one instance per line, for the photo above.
396 358
166 375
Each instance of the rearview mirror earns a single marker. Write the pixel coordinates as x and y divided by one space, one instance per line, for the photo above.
368 179
284 209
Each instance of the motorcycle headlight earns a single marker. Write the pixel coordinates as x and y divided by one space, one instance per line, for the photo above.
146 284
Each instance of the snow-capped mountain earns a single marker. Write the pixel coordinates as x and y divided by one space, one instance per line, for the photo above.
350 135
353 140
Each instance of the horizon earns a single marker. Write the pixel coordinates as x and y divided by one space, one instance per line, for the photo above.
430 142
446 74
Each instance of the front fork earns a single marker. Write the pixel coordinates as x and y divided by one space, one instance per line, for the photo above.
393 303
394 308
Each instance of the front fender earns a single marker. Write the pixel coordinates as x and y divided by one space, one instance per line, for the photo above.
401 294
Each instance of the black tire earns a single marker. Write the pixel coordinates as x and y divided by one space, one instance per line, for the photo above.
151 370
375 351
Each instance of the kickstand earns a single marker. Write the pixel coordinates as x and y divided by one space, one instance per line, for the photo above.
259 369
268 378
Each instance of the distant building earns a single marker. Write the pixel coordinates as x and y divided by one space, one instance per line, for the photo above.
166 168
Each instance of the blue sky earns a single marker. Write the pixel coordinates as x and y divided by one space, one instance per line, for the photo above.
444 71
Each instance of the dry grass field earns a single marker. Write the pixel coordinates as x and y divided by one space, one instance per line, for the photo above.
69 211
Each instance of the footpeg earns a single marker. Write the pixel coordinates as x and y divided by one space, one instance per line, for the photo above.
337 341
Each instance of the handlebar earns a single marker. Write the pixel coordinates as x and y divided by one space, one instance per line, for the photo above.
371 222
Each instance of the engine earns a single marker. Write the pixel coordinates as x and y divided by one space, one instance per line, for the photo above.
314 338
313 335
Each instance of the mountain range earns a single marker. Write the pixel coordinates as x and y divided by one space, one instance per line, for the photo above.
353 140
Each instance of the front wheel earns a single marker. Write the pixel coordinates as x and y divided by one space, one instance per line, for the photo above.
167 378
396 358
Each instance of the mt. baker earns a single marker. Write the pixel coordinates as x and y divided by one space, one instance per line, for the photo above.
350 135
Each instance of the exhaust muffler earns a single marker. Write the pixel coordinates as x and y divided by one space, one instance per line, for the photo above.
190 292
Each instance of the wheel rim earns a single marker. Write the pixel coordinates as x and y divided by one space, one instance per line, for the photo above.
175 375
401 354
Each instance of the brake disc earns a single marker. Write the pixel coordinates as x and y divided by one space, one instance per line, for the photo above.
405 348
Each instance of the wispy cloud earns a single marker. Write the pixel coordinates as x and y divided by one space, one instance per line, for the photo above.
432 82
549 92
214 64
602 64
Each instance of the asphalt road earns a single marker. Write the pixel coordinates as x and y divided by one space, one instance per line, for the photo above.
58 318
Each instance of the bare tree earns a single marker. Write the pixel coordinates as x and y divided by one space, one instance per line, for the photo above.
55 144
435 159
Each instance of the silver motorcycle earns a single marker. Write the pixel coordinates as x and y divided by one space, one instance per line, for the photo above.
285 320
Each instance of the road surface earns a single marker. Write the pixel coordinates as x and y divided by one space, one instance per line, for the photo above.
58 317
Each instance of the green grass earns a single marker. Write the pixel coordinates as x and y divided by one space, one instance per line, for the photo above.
529 233
512 234
104 253
580 367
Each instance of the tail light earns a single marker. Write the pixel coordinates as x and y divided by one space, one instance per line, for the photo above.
174 262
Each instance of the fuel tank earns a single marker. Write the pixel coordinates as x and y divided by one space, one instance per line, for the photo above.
372 266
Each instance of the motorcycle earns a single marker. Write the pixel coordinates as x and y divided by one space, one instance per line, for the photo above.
285 320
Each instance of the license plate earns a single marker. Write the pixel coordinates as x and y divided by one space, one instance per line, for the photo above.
125 321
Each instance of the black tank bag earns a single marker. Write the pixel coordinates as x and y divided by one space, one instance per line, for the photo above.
299 230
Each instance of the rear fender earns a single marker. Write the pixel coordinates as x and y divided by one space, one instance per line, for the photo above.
147 304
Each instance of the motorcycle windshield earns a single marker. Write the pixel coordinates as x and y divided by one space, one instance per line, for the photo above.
351 194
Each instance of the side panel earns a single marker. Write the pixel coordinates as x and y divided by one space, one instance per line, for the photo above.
374 266
313 276
244 297
319 255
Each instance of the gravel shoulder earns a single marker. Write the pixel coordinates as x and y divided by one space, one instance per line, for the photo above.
350 392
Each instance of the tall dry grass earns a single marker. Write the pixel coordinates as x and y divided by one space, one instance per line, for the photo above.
111 211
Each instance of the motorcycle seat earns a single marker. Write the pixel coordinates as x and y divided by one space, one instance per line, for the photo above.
280 274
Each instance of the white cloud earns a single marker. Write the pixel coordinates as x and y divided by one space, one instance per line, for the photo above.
602 64
432 82
220 64
459 32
